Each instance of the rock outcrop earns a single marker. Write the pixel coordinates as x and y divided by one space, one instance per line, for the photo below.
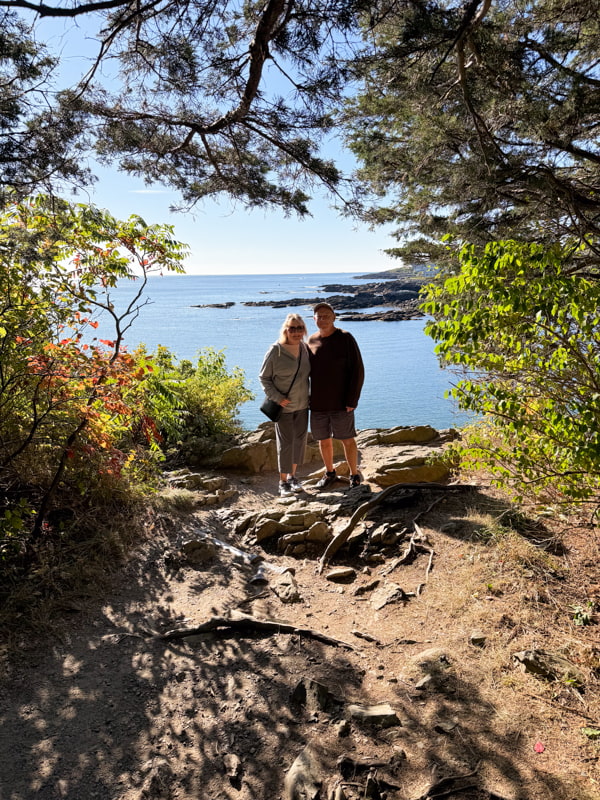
401 295
405 454
257 451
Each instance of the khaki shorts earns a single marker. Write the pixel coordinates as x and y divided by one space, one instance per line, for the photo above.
339 424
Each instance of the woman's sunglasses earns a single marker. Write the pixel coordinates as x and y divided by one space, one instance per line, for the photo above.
294 328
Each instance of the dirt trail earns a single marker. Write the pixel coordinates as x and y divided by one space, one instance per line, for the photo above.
112 712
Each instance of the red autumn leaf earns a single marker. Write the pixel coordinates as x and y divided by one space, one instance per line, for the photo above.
539 747
94 324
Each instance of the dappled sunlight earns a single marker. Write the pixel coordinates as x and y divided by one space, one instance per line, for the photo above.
115 711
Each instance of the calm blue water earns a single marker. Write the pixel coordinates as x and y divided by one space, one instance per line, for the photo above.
404 383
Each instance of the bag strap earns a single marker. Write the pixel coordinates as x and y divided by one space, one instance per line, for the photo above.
297 368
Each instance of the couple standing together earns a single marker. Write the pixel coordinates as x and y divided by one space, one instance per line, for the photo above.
326 374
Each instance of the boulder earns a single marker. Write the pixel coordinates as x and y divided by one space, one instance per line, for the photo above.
257 451
414 434
250 457
412 465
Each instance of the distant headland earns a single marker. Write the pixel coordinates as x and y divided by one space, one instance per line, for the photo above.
394 293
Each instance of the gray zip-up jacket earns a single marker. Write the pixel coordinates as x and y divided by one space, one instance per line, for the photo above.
277 372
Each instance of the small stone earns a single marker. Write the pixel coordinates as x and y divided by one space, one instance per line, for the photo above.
199 551
341 575
445 727
304 778
388 593
551 666
286 588
266 529
448 527
382 714
232 764
477 638
366 587
319 532
424 683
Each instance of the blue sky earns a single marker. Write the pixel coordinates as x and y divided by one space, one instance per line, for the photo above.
225 239
228 240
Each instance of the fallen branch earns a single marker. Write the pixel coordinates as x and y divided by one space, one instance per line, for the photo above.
428 509
421 586
244 623
409 552
561 707
367 637
429 563
252 598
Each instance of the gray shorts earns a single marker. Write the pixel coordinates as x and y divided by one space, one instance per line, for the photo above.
339 424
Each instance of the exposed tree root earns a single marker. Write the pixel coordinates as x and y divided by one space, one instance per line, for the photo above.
244 623
340 539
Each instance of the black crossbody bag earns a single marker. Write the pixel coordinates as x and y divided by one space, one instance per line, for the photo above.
272 409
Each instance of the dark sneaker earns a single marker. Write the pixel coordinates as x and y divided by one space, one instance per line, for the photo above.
285 489
295 484
327 480
355 480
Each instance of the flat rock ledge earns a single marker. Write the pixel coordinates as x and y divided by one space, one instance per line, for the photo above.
405 454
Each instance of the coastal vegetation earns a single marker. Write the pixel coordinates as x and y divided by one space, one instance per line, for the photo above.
475 128
525 332
84 422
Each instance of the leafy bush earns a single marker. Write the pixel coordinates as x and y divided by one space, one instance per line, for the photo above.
523 322
71 407
190 402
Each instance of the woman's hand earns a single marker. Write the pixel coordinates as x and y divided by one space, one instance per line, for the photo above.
285 402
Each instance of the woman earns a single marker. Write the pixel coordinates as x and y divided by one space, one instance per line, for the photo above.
286 358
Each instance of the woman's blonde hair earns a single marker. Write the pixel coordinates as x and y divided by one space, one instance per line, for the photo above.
289 320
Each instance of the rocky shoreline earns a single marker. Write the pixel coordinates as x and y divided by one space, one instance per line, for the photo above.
395 299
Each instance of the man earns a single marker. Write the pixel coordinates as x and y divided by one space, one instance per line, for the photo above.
336 378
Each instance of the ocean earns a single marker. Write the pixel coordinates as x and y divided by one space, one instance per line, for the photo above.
404 383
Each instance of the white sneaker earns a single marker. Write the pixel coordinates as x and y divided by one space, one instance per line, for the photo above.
295 484
285 490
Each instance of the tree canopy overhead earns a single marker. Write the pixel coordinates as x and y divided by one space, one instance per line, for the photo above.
206 96
478 119
40 141
482 120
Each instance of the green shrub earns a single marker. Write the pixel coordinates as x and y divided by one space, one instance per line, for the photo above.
522 321
190 401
